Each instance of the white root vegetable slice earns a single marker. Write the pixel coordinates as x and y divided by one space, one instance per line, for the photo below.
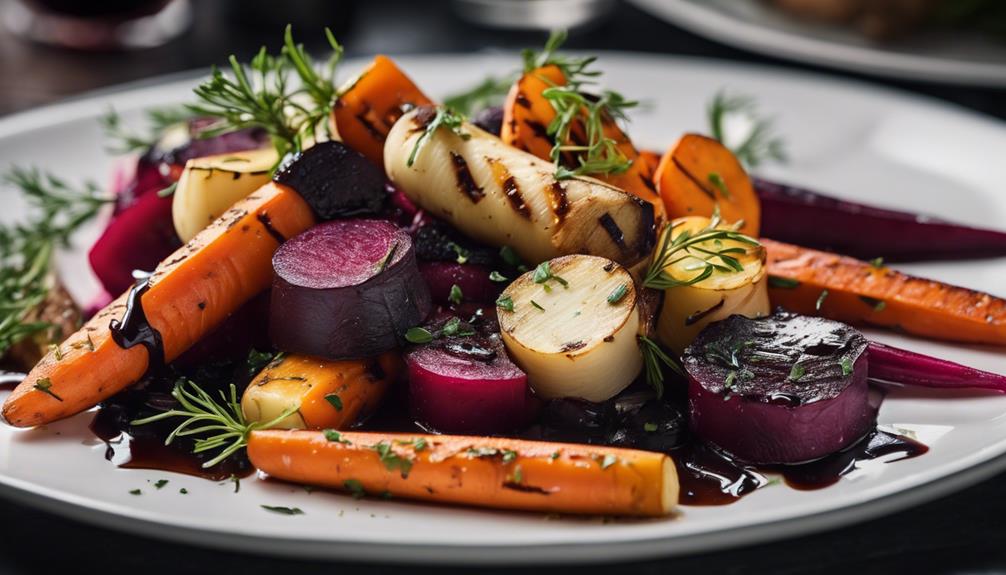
210 185
500 195
577 339
687 309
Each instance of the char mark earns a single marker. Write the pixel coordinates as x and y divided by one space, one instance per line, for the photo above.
700 315
695 180
615 232
466 183
559 201
263 217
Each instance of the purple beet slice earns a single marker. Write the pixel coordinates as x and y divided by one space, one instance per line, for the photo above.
346 289
784 389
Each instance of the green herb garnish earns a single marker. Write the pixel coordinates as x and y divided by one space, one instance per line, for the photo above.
418 335
781 282
820 300
391 460
685 245
654 361
504 302
758 143
618 293
846 365
717 181
388 258
537 305
510 258
135 492
160 483
455 297
159 120
543 274
222 424
45 386
355 488
495 276
509 455
461 253
443 118
649 427
796 372
334 436
876 304
334 400
877 263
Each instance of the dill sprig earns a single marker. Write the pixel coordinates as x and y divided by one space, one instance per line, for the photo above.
261 94
444 117
26 249
577 110
222 424
758 143
123 141
654 360
706 247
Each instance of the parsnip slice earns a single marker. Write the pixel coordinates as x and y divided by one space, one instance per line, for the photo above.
577 340
210 185
501 195
688 309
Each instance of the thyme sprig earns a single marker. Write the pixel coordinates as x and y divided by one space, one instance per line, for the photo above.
673 249
222 424
122 141
574 69
654 361
758 143
26 249
261 94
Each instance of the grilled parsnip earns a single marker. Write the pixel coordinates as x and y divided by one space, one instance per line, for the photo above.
504 196
571 324
210 185
689 308
325 394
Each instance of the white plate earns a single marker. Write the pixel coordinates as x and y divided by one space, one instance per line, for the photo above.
848 139
928 56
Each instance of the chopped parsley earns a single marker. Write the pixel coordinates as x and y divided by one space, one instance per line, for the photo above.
618 294
183 491
543 274
334 436
160 483
334 400
511 259
45 386
537 305
509 455
461 253
455 296
717 181
495 276
418 335
846 365
504 302
391 460
877 263
135 492
796 372
649 427
355 488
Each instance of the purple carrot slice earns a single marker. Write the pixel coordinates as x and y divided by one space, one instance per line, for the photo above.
800 216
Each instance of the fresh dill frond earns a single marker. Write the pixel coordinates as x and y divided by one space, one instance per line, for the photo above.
123 141
654 361
221 424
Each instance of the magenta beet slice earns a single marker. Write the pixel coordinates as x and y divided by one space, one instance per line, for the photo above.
467 384
781 389
346 289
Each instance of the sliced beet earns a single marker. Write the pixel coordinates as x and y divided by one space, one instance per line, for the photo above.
346 289
335 180
490 119
780 389
473 281
467 383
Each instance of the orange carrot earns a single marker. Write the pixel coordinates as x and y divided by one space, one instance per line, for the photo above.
481 471
699 173
862 293
190 293
363 114
650 158
330 394
527 114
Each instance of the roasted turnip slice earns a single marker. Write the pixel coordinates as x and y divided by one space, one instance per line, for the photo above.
466 383
572 325
780 389
346 289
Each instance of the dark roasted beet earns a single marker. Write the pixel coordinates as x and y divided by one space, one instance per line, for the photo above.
781 389
490 119
438 242
653 425
335 180
472 279
346 289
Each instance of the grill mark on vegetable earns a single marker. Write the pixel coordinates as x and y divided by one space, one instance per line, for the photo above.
615 232
466 183
525 488
648 182
368 125
134 328
696 181
699 316
509 186
263 217
573 345
647 226
558 201
539 129
522 101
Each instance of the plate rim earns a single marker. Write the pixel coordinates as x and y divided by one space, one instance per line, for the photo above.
711 23
83 106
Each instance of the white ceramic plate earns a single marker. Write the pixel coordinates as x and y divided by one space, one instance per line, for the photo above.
851 140
928 56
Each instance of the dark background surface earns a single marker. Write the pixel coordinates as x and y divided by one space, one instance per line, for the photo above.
962 533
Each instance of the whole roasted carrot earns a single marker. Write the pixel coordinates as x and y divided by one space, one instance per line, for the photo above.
325 393
480 471
190 293
846 289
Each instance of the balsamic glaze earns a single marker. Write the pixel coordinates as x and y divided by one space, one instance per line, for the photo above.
134 329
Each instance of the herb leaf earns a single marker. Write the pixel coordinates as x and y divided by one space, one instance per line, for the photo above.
654 359
758 144
443 118
283 510
504 302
